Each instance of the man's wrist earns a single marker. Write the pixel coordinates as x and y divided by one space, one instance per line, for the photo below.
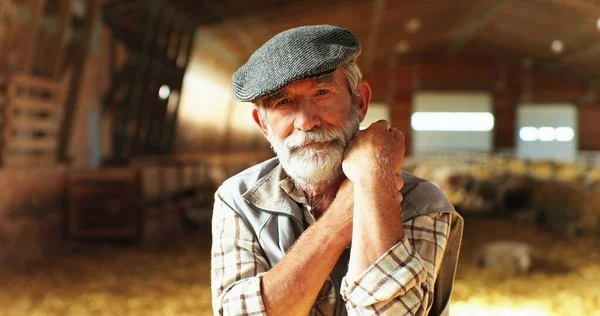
337 235
375 182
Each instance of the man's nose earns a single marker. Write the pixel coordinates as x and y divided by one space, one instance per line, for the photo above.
306 117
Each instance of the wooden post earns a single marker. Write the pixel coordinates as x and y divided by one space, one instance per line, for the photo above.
79 67
64 18
38 9
173 123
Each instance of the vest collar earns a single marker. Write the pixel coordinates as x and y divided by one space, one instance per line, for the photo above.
275 192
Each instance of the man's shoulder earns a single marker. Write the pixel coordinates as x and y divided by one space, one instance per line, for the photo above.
423 197
247 179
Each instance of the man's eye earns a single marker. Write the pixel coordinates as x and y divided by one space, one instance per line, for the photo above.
322 92
283 101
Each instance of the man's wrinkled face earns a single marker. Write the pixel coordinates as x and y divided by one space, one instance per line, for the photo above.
309 125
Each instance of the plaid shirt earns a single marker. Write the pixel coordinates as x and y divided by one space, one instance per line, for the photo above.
400 282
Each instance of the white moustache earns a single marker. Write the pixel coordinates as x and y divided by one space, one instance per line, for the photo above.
297 141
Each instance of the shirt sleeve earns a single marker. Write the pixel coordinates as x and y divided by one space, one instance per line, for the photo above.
237 265
401 281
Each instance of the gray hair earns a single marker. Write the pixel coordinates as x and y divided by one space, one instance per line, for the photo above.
354 77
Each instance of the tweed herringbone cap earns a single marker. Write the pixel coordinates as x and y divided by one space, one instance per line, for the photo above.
293 55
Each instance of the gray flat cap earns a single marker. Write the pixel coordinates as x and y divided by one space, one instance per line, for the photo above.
293 55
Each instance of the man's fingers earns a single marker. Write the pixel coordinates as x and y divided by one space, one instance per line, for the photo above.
397 133
383 123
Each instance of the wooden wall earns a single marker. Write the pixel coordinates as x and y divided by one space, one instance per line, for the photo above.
507 81
210 119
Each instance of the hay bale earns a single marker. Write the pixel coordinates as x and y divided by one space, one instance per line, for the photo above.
516 167
542 170
567 172
593 177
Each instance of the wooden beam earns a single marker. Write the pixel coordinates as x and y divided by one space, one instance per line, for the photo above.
35 105
214 45
370 51
65 19
38 9
472 22
29 124
591 8
235 28
578 56
30 144
170 137
145 97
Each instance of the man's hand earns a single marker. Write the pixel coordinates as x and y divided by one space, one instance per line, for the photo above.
373 153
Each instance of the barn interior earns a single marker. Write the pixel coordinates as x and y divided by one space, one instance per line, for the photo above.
118 124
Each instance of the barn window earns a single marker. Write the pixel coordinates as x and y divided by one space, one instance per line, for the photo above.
443 121
547 131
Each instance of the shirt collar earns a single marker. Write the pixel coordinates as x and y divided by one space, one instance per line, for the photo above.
276 192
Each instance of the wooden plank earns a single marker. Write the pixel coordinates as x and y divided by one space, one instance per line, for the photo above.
209 158
188 177
108 174
30 144
35 105
123 190
29 81
170 180
26 160
24 123
150 182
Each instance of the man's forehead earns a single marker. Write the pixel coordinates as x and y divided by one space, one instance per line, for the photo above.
330 78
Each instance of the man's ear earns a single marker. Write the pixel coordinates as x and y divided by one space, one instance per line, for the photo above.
259 122
364 99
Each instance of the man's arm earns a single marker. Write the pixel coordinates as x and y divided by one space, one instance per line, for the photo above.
386 272
373 162
401 281
292 285
377 223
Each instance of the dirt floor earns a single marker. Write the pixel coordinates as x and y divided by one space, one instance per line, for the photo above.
123 279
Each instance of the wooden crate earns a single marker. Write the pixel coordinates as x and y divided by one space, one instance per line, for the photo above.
32 121
105 204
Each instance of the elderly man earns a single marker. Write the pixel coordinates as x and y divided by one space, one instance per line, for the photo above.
331 226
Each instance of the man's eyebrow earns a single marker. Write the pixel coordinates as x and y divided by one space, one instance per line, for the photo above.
323 81
277 95
318 82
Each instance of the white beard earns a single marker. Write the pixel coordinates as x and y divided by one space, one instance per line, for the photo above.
310 167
